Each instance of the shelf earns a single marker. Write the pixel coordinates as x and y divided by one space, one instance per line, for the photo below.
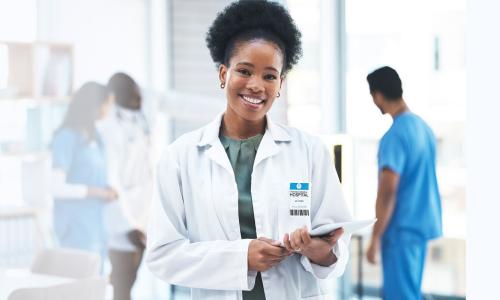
35 70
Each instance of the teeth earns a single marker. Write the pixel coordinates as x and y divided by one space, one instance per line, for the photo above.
252 100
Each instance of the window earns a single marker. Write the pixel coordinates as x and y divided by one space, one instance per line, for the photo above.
424 42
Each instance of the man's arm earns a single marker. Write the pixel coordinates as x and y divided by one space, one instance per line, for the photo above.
386 199
384 207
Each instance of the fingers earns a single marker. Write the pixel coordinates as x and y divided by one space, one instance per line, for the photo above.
337 234
264 239
334 236
304 234
272 248
292 240
371 253
270 241
275 252
272 256
299 239
286 242
110 192
370 256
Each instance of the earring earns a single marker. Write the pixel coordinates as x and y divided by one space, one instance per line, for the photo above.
222 85
277 96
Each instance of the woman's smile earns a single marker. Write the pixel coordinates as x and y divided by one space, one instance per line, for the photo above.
252 102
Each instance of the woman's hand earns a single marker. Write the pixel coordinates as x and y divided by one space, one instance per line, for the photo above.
107 193
317 249
264 254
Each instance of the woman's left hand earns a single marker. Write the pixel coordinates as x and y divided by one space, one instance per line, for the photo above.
317 249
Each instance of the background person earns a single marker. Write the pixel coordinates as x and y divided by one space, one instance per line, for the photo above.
126 134
408 205
79 183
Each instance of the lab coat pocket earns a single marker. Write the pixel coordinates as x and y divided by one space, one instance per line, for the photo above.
199 211
312 288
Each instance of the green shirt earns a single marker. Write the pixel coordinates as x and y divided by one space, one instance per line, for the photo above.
242 154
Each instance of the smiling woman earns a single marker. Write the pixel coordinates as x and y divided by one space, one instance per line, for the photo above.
228 221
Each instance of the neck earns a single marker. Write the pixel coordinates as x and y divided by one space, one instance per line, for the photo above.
237 128
397 108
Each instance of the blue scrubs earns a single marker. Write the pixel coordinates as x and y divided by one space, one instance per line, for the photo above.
78 223
409 149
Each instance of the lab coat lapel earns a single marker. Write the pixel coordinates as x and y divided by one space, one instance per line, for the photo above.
215 151
224 189
268 146
217 154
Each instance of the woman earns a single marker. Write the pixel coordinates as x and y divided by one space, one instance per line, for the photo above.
126 135
80 188
236 198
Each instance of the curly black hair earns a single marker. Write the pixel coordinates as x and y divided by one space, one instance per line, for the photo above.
247 20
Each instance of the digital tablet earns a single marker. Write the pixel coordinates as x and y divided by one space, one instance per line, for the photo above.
349 227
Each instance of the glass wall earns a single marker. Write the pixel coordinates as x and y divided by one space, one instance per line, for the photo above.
424 42
303 82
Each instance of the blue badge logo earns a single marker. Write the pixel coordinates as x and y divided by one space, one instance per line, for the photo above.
299 186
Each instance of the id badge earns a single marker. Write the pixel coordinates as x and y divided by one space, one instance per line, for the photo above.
299 197
299 207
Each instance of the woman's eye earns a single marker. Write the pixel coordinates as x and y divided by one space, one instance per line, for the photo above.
270 77
244 72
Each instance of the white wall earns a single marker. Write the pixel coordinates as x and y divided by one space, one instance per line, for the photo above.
107 36
483 149
17 20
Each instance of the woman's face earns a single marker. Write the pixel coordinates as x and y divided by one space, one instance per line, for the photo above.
104 108
253 79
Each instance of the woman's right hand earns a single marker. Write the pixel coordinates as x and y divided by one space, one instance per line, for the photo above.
107 193
264 254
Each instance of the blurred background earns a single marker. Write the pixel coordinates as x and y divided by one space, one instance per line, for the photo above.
49 48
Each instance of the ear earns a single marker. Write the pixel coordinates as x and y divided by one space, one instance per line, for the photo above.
282 80
223 73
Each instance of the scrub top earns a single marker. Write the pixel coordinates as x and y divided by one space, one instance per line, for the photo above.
241 154
78 223
409 149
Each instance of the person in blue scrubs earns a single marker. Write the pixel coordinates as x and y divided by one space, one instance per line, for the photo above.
80 187
408 205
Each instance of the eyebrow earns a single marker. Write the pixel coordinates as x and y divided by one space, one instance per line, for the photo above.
251 65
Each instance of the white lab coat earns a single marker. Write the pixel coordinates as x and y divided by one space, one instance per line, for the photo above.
194 235
130 172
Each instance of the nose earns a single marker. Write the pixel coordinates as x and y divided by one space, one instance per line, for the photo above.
255 85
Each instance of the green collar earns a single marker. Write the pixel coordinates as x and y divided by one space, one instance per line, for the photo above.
254 140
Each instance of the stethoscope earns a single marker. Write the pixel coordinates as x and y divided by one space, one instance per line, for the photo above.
137 118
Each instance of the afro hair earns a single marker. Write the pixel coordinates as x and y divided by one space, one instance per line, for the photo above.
246 20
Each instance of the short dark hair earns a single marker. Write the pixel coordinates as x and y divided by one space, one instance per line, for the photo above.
247 20
125 89
386 81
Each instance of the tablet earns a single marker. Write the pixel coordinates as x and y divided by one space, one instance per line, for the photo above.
349 227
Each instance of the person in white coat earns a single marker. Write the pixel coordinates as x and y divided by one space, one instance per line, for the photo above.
126 135
235 199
